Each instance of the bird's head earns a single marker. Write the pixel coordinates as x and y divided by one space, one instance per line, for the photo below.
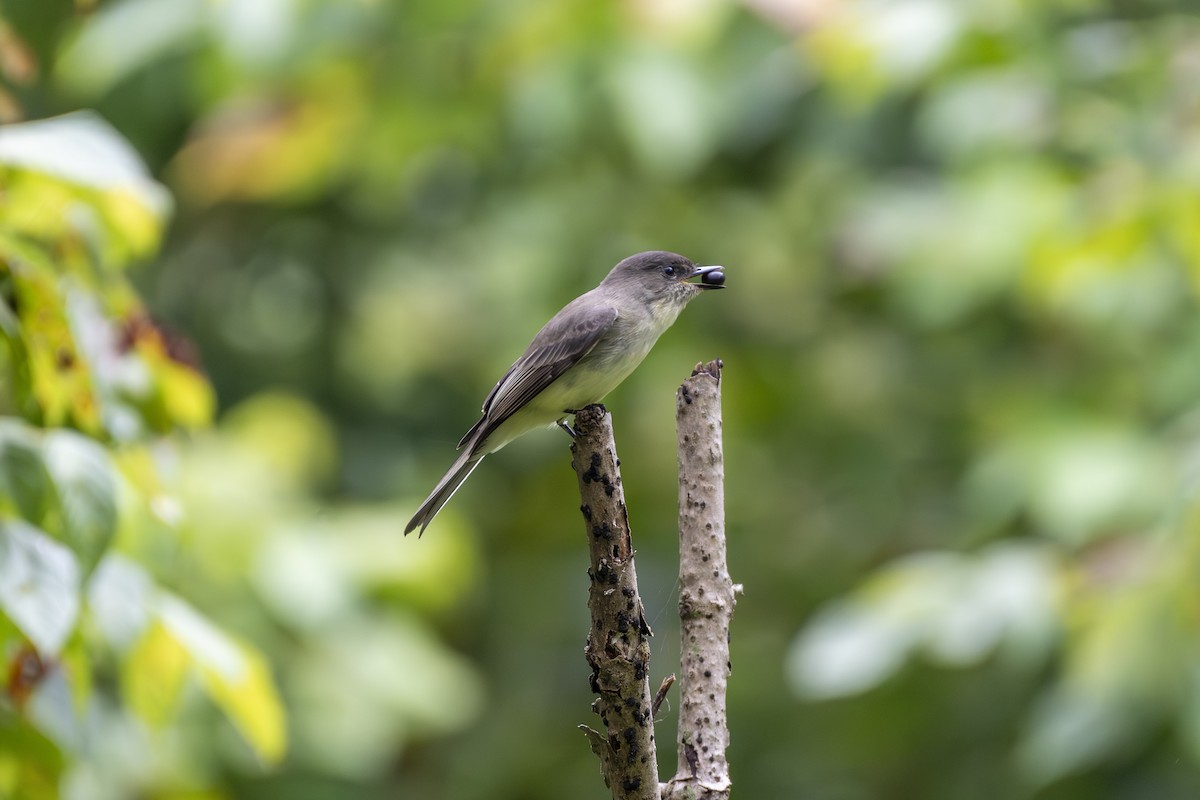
664 279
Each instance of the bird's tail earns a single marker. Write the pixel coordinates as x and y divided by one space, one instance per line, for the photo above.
447 486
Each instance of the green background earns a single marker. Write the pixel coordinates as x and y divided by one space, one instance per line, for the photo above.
962 374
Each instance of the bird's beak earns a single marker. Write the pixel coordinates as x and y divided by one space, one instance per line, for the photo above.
710 277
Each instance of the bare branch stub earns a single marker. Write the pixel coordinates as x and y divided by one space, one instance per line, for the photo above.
618 645
706 592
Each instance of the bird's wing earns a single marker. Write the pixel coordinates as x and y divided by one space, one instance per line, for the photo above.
565 339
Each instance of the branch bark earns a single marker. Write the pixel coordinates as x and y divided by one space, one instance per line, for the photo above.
706 592
618 645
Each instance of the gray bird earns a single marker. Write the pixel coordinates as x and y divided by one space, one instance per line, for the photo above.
578 357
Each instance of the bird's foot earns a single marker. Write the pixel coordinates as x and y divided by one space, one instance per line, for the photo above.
562 423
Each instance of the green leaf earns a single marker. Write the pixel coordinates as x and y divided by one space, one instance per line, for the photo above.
15 380
25 485
30 763
10 326
52 709
1071 729
353 726
120 598
92 64
39 585
86 486
957 609
61 482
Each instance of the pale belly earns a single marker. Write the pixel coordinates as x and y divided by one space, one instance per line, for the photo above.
587 382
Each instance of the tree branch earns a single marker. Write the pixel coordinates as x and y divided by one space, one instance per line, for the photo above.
618 645
706 592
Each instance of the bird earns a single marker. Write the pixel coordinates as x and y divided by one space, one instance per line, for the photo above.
577 358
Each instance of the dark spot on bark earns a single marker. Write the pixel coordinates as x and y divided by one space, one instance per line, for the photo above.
687 396
586 510
632 784
593 472
692 757
708 673
630 735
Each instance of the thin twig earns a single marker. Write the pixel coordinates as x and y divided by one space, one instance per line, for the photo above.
661 694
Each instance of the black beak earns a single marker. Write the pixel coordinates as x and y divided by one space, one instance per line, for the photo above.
710 277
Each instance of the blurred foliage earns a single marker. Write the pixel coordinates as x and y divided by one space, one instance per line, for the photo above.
961 393
102 505
80 352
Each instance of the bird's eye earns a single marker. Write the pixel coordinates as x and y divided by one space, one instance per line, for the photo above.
669 271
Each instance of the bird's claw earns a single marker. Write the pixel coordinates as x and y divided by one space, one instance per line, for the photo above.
562 423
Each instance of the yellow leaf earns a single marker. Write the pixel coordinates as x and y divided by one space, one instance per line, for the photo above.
252 703
76 663
1181 216
260 149
188 397
153 676
234 674
136 228
61 380
846 61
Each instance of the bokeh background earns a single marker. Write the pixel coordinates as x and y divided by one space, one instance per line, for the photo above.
961 391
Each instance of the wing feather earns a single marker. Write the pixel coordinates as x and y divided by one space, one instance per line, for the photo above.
558 346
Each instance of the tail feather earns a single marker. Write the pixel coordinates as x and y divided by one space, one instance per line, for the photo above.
445 489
